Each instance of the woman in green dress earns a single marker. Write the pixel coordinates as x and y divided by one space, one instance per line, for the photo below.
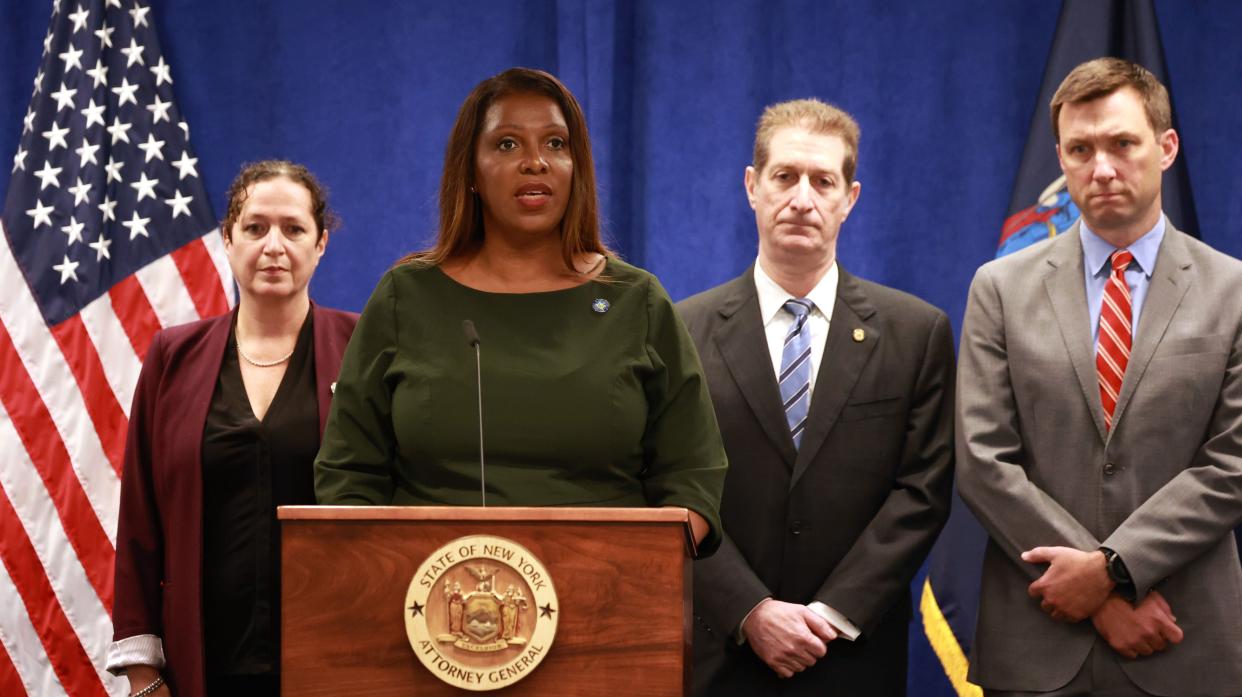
592 391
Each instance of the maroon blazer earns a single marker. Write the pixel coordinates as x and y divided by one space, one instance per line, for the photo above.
159 541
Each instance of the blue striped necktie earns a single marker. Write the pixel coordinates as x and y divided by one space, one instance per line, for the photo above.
795 377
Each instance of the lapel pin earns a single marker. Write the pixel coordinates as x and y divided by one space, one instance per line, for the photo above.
601 305
859 335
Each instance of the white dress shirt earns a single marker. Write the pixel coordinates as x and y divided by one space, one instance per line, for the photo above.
776 324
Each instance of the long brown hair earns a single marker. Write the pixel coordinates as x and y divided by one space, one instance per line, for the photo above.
461 213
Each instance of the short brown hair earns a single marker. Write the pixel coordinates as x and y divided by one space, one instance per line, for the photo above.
1103 76
814 116
461 210
254 172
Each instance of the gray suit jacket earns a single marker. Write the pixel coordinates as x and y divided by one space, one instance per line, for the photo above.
1163 489
848 518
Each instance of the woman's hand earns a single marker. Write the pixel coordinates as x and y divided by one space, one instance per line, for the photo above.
142 676
699 526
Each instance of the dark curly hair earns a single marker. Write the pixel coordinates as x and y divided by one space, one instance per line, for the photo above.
254 172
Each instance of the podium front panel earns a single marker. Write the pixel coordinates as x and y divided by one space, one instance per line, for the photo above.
621 576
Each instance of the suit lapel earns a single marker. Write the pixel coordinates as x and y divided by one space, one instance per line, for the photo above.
744 348
1169 282
1067 291
843 361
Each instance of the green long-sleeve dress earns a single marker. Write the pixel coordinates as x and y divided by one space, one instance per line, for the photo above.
592 395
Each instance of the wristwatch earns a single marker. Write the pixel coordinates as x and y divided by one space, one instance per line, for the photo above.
1118 572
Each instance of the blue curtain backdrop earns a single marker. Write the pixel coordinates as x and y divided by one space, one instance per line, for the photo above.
365 92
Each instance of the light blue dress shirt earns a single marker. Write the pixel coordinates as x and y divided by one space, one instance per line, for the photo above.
1095 254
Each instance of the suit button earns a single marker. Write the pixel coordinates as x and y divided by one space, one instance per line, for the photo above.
1109 469
795 528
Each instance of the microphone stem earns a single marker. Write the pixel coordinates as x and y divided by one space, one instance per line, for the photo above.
478 373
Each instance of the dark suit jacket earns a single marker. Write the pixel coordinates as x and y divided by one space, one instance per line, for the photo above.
846 520
159 535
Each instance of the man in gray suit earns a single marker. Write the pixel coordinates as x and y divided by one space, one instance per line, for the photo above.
834 397
1100 426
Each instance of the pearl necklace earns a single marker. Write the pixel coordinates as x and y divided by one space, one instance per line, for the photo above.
263 364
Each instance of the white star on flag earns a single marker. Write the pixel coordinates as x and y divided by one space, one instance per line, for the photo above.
101 247
48 176
185 166
125 92
133 53
152 148
159 110
19 161
41 214
113 168
137 226
140 15
38 83
72 59
56 138
86 154
73 230
162 72
94 113
99 73
28 121
180 204
79 19
68 269
145 187
107 209
64 97
105 35
118 130
81 192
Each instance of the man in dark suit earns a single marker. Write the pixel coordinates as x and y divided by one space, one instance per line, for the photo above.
834 396
1100 426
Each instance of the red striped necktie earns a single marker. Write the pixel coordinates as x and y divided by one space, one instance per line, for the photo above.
1113 346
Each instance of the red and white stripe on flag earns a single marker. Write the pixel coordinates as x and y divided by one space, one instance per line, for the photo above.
65 393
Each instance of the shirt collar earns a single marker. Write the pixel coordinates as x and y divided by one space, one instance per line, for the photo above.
1095 251
772 297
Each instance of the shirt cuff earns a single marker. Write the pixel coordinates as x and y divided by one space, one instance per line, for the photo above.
140 650
844 627
738 634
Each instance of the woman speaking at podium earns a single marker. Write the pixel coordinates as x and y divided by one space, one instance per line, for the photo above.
592 393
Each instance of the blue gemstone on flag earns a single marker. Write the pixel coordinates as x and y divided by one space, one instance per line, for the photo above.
601 305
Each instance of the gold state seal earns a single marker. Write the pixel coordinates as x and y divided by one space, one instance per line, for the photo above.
481 612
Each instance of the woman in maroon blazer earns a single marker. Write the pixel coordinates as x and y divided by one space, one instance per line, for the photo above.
225 424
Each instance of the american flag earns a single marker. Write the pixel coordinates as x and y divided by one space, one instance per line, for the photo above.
107 235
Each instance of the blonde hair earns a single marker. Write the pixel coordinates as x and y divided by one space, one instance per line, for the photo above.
814 116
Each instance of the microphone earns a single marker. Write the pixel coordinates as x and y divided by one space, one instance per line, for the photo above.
472 339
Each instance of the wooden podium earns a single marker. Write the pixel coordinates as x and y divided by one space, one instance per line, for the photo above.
621 575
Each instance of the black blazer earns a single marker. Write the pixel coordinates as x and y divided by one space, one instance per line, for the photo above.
849 518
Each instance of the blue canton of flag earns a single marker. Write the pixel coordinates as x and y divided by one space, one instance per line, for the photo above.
106 236
104 181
